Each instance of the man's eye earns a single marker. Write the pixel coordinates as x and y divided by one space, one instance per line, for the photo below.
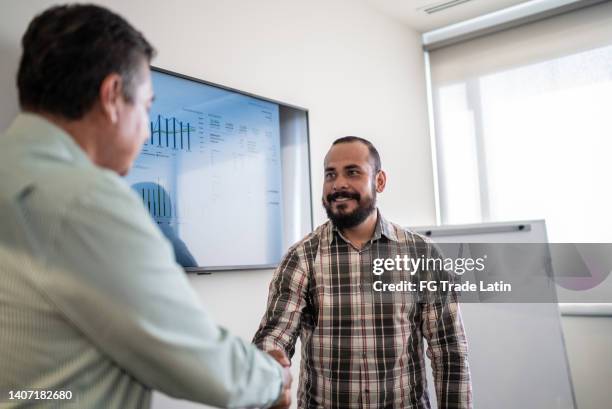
329 176
353 172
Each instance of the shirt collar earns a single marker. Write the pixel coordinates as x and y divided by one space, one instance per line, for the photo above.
383 228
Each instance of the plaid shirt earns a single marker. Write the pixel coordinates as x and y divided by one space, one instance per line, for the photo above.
363 348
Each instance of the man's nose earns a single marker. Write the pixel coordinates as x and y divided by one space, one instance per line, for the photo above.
340 183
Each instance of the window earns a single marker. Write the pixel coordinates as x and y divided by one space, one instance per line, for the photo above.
524 126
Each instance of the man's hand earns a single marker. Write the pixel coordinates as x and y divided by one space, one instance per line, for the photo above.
280 357
284 400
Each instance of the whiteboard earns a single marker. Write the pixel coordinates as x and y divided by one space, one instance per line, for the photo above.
517 353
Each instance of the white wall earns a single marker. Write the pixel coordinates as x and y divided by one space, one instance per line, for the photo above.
358 73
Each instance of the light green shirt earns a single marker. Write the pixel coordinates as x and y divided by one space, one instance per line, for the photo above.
91 299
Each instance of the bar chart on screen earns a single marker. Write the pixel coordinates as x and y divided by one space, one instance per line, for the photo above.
172 133
157 200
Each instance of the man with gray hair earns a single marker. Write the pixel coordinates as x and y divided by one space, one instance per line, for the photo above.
93 307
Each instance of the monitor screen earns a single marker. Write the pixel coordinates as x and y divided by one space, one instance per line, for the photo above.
210 173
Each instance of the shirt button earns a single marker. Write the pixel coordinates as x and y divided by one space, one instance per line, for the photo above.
367 391
364 355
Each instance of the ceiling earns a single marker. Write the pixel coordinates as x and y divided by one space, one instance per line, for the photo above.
445 12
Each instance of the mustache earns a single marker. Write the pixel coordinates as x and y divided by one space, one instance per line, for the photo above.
338 195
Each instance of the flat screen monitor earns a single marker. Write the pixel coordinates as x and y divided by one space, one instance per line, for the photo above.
211 174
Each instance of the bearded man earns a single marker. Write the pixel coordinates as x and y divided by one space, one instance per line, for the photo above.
362 348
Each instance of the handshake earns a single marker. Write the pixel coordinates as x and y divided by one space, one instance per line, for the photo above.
284 400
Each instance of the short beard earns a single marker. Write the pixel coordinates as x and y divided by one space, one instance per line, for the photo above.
356 217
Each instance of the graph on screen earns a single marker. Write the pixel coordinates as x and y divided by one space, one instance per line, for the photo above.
171 133
210 174
156 200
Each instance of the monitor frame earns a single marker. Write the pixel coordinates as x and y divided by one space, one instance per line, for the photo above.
211 269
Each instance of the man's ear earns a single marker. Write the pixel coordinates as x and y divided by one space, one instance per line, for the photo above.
381 181
111 95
